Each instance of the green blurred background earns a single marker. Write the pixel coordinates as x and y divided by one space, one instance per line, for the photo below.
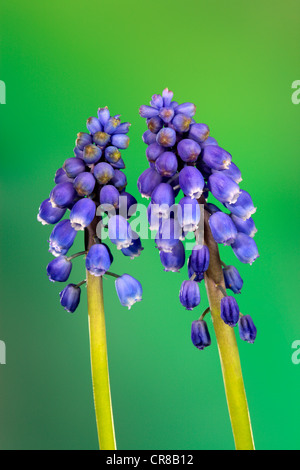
60 62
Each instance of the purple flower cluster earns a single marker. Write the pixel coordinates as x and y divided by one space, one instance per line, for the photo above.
90 179
183 157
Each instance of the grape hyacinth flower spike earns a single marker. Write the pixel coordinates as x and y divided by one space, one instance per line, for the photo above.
91 186
185 161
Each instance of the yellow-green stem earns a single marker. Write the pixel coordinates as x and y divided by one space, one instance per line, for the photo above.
98 351
228 350
99 364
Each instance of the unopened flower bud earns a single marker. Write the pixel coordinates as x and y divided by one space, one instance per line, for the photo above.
82 213
222 228
232 279
245 248
200 258
199 132
129 290
83 139
62 238
91 154
109 196
120 141
120 232
93 125
103 115
189 295
173 260
188 150
181 123
49 214
200 334
166 164
70 297
223 188
59 269
101 138
98 260
191 182
62 195
243 206
186 108
245 226
216 158
119 180
230 311
166 137
84 184
188 214
247 329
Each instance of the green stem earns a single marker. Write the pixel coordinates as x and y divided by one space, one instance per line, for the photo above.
222 289
228 350
99 360
204 313
76 255
112 274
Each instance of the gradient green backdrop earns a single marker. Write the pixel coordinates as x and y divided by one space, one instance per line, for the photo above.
60 62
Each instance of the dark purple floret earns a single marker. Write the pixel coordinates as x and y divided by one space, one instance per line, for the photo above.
49 214
200 334
216 158
148 182
173 260
245 249
109 195
98 260
166 164
70 297
62 195
59 269
73 166
200 258
84 184
62 177
197 277
232 279
242 206
222 228
189 294
62 238
230 311
154 151
135 249
188 150
82 214
247 329
199 132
